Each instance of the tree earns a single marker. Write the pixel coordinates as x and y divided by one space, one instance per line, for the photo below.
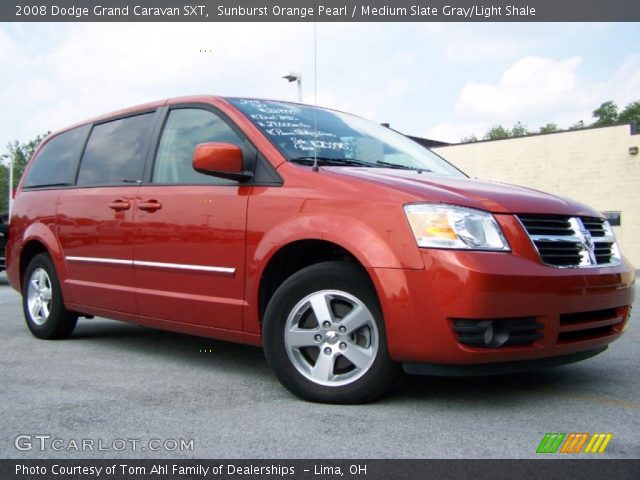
21 153
548 128
606 114
470 139
631 113
518 130
496 133
4 189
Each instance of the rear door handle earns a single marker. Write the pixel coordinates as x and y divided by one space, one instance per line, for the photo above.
119 205
149 205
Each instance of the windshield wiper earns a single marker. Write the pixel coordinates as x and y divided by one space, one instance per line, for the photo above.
353 162
331 161
403 167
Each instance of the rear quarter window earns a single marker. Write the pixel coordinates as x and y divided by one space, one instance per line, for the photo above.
57 161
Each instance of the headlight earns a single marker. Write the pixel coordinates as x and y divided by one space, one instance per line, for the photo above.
447 226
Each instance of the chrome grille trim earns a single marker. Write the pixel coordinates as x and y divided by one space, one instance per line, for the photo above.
572 242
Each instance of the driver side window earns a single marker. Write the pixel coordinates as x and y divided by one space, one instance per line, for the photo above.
184 129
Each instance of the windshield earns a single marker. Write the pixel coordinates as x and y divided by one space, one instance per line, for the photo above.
303 133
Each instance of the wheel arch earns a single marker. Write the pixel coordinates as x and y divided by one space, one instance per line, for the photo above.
373 248
39 238
293 257
349 238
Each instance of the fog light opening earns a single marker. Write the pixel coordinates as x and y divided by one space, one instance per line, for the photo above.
496 334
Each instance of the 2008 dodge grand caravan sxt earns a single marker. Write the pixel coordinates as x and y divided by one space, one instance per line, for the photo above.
342 247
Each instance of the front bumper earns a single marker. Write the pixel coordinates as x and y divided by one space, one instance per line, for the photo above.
498 368
579 310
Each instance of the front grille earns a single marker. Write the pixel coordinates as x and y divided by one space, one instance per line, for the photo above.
563 241
497 333
581 326
595 226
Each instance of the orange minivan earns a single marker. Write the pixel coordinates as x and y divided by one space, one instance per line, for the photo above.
342 247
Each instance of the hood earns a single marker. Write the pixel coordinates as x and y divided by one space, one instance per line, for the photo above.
491 196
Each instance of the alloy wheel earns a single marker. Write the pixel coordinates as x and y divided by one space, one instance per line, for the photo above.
331 338
39 296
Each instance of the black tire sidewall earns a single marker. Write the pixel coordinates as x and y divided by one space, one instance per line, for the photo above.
342 276
60 322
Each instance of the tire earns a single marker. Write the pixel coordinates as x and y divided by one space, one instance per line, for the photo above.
42 301
342 358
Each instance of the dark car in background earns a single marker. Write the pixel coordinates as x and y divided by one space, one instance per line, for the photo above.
4 236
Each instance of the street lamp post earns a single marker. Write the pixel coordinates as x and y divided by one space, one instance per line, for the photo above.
295 77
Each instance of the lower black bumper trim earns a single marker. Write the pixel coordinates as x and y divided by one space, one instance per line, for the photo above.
498 368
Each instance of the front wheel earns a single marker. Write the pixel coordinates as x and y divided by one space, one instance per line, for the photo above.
42 301
324 335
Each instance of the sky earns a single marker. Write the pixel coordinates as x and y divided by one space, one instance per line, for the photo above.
441 81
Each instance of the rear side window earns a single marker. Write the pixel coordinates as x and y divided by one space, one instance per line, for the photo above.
57 162
116 151
184 129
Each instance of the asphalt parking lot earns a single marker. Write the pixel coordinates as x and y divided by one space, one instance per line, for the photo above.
117 381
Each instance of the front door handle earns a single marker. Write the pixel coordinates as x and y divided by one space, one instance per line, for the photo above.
149 205
119 205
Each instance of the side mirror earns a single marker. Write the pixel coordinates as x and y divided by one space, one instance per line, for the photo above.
220 159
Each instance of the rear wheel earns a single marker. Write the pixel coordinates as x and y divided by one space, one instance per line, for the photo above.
324 335
42 301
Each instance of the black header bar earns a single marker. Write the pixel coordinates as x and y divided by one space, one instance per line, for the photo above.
320 11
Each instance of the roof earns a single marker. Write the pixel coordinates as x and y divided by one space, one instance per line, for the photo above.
428 142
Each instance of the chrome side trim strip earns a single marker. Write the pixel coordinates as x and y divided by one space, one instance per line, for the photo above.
141 263
112 261
182 266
